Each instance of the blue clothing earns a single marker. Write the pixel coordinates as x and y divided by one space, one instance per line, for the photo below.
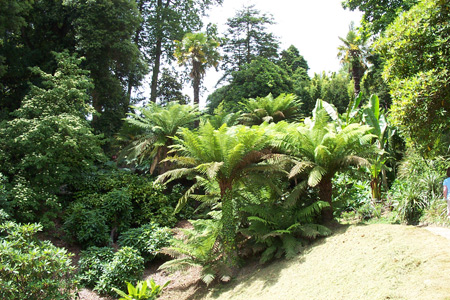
447 184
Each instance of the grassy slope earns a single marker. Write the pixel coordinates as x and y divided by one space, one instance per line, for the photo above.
358 262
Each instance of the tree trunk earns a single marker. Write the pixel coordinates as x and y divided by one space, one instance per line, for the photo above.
158 53
97 107
228 226
196 80
196 86
155 74
357 74
325 194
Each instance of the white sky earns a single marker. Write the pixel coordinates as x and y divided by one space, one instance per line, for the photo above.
313 26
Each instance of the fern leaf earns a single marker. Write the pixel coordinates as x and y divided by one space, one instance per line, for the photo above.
268 254
315 176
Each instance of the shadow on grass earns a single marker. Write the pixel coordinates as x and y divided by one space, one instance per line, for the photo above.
267 274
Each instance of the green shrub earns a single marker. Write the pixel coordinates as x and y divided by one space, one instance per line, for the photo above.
409 201
126 266
418 185
27 203
148 200
117 208
30 269
86 226
352 194
92 264
436 213
148 239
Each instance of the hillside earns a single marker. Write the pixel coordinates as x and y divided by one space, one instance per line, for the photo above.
358 262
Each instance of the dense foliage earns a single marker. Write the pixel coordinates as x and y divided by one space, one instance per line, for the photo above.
148 239
31 269
417 52
279 155
49 143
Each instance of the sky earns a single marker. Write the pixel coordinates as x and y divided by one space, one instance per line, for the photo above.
313 26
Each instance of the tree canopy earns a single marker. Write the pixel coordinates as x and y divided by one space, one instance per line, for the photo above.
417 51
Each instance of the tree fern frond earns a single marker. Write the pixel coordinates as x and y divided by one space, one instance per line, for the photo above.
254 218
300 167
314 230
315 176
311 210
294 195
183 200
209 169
276 233
173 174
268 254
178 264
290 246
207 276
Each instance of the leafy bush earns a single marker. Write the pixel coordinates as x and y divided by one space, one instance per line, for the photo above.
409 201
148 239
92 264
117 208
148 200
49 142
436 213
30 269
418 185
87 226
24 201
126 266
352 194
141 291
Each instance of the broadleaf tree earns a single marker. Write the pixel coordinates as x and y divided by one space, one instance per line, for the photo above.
417 51
49 143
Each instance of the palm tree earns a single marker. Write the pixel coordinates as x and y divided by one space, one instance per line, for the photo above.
200 52
353 53
228 156
320 149
268 109
159 125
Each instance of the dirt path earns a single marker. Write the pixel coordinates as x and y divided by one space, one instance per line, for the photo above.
442 231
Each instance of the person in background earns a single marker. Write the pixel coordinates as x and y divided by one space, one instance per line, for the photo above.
446 193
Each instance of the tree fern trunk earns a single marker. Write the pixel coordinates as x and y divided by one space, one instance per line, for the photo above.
325 194
228 228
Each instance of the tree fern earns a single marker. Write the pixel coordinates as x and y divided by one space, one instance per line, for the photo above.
227 156
320 148
198 248
159 125
268 109
279 230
